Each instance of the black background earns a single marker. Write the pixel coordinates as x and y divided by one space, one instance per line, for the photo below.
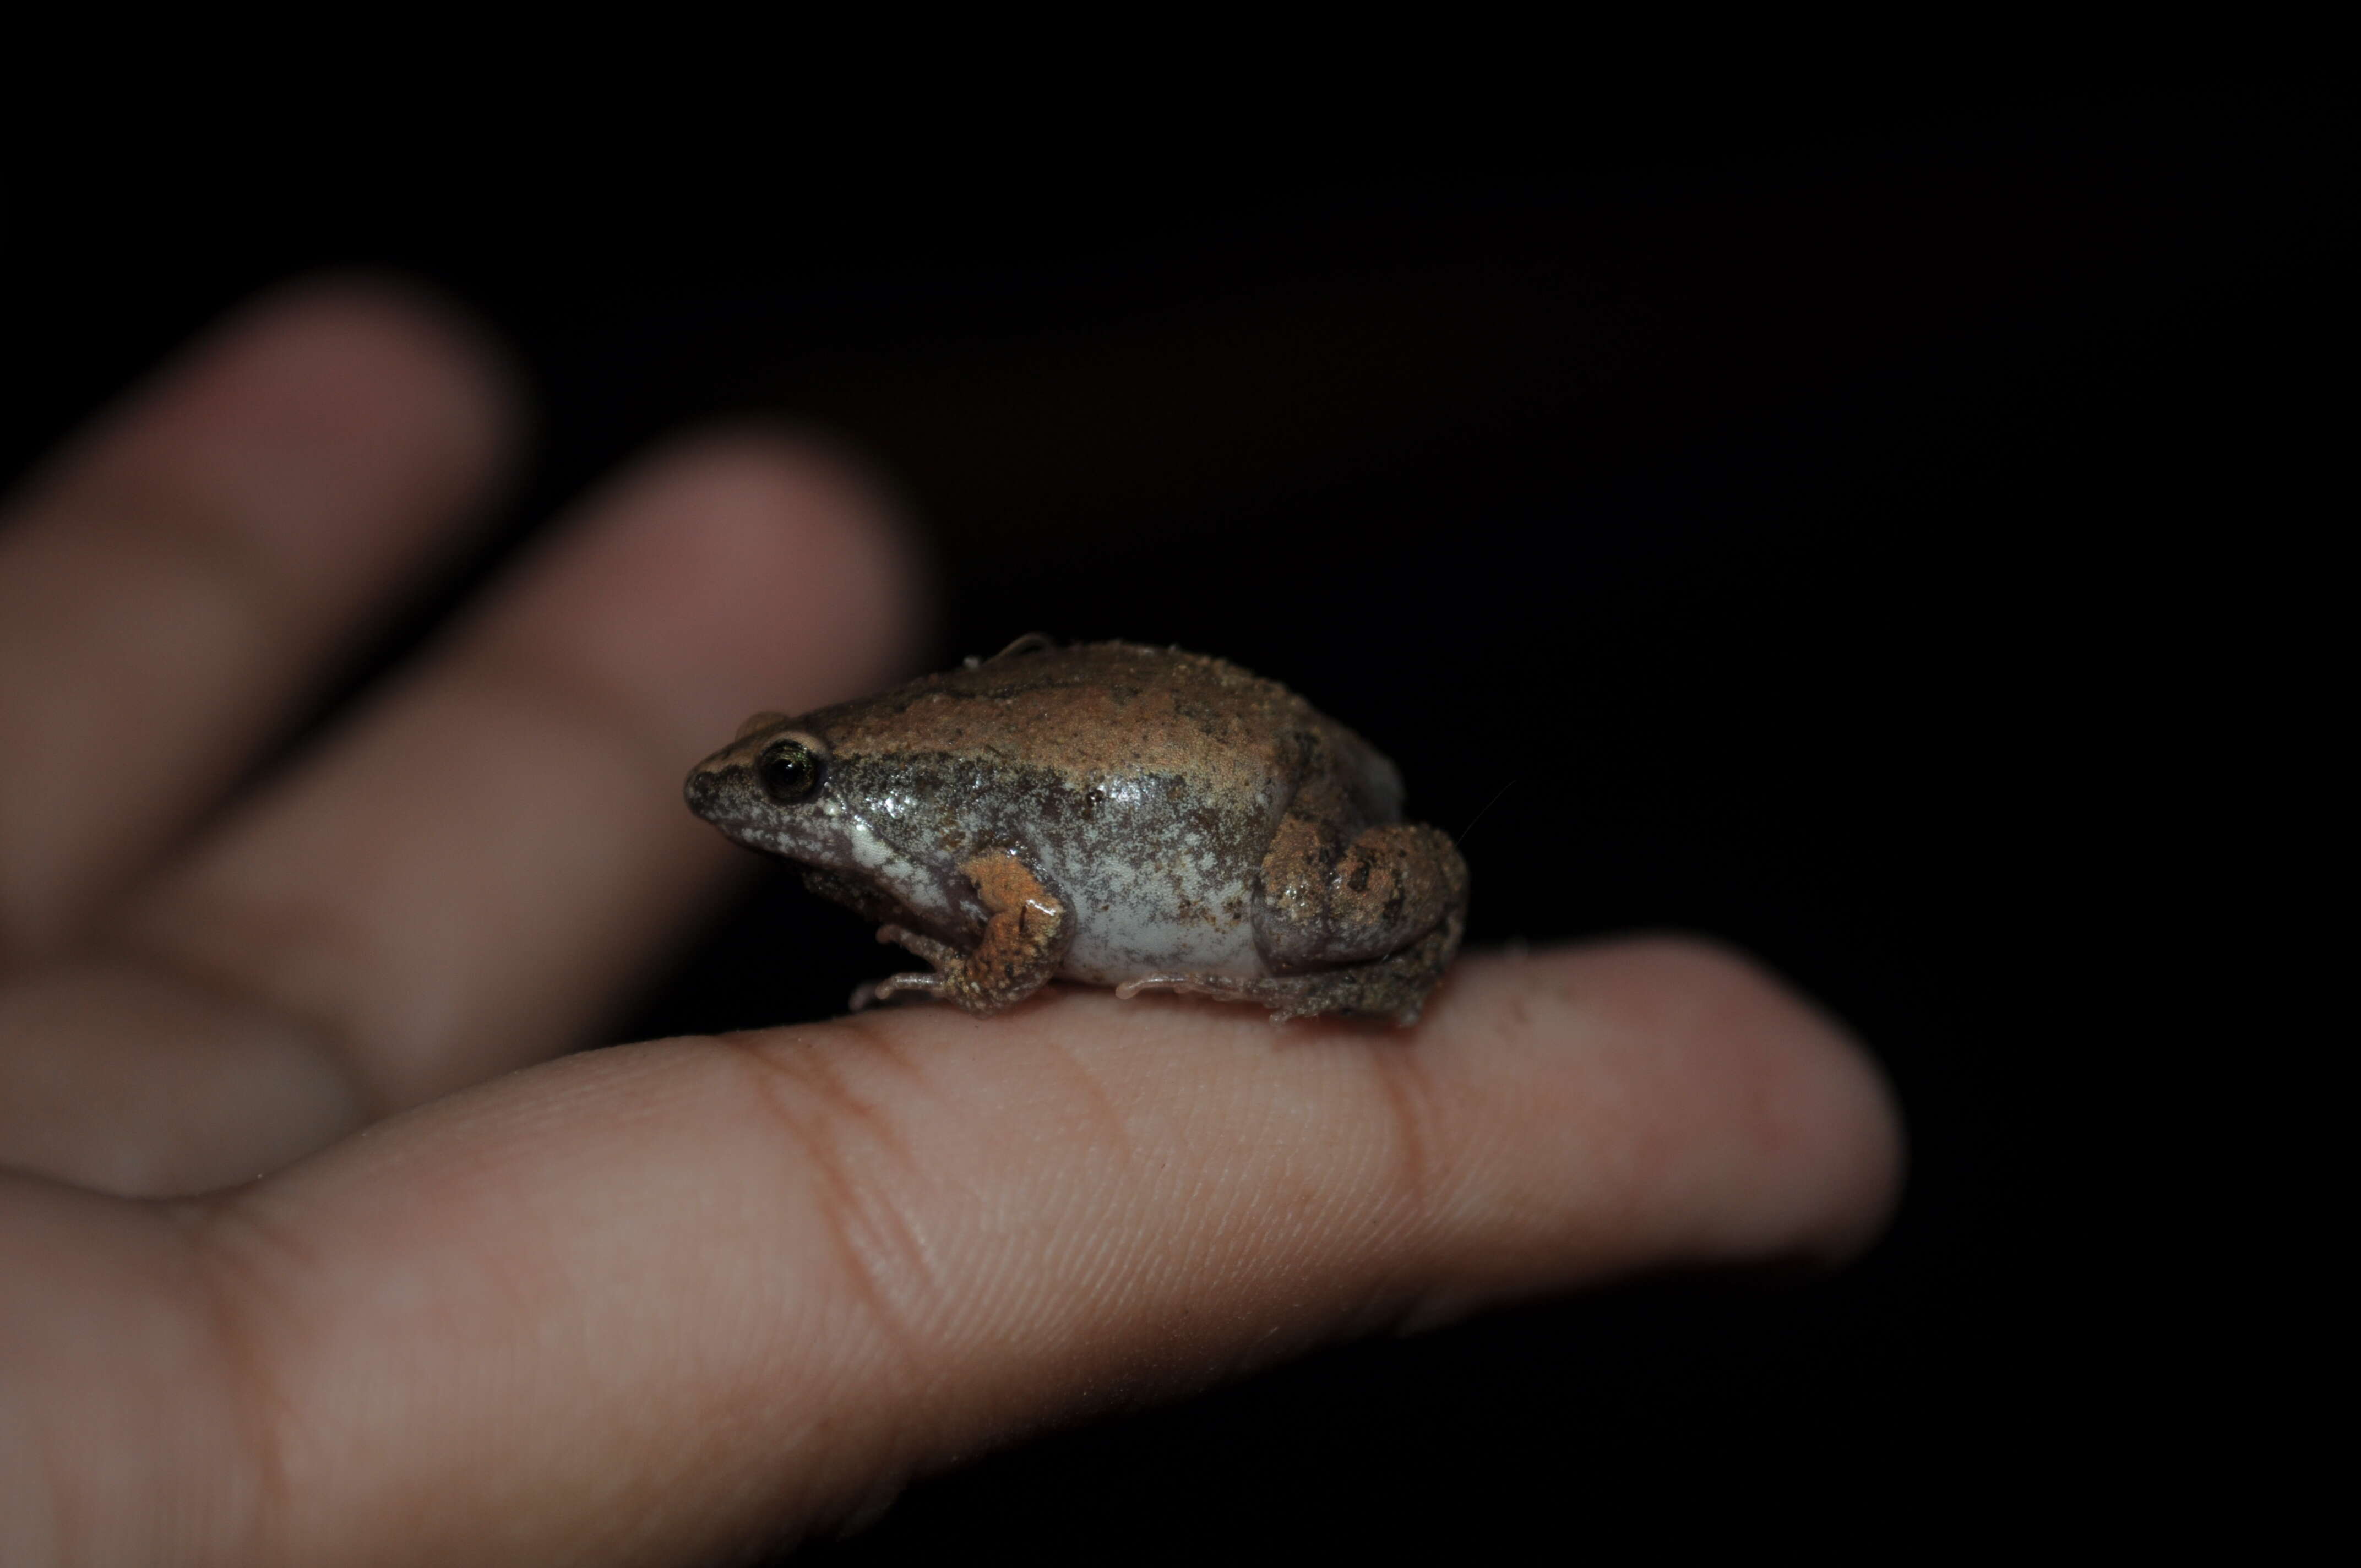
1877 534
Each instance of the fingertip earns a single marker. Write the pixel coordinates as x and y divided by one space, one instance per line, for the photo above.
1804 1152
732 570
1831 1124
329 415
850 530
401 327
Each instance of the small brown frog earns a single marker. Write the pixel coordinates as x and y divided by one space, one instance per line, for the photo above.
1112 814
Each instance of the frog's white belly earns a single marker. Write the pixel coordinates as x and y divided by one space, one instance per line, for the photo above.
1175 910
1124 930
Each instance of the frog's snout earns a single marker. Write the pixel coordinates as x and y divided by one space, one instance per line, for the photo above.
703 788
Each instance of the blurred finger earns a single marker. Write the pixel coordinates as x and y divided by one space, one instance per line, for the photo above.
672 1301
173 586
476 870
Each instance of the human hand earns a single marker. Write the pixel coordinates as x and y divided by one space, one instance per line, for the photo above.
303 1260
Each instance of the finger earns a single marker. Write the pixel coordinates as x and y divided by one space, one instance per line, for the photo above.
170 588
477 866
476 869
659 1302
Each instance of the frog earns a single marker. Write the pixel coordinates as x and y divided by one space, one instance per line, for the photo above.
1107 813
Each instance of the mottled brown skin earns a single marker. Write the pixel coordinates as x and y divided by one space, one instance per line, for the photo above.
1119 814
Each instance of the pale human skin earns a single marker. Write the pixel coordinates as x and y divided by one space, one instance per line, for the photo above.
315 1247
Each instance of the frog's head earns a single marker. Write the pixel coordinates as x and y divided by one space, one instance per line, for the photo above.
769 789
809 789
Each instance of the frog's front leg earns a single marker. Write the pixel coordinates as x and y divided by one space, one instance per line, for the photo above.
1023 941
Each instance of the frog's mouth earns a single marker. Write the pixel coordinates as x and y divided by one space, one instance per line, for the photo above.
729 795
724 794
826 834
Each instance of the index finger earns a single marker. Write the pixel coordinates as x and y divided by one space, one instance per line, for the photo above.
666 1301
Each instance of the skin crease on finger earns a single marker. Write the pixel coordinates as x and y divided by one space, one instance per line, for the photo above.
665 1301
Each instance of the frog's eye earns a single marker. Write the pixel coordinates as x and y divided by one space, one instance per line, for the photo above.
790 770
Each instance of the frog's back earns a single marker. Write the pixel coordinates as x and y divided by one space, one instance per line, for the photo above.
1097 710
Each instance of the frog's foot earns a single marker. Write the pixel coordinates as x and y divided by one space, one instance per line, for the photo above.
1391 987
1023 942
942 955
1285 997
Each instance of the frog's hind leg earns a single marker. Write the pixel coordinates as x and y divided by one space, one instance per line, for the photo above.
1362 926
1326 901
1394 986
1023 944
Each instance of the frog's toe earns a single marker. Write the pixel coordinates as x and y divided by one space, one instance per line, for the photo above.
1131 988
939 954
1221 988
913 986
